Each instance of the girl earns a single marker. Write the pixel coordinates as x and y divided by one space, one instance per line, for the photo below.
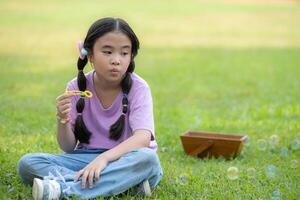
108 139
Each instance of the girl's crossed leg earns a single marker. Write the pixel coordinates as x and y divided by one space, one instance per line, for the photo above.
120 175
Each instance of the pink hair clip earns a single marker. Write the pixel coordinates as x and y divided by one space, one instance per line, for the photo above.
81 50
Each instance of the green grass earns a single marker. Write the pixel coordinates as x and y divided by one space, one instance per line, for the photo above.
221 67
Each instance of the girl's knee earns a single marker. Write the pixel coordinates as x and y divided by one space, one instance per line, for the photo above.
148 158
28 160
155 179
26 166
24 162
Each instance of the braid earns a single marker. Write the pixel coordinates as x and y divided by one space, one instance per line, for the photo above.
131 66
81 132
117 128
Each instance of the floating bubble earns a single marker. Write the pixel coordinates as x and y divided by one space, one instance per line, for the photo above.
274 139
295 144
163 149
276 195
232 173
183 179
247 142
262 144
251 172
271 171
294 164
284 152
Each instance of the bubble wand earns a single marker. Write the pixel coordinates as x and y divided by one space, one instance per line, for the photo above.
87 93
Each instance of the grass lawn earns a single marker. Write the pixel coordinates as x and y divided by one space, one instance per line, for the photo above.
230 67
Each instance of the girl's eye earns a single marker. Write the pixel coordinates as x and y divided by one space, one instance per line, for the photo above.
107 52
124 53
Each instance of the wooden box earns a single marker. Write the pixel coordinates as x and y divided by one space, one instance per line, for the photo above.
208 144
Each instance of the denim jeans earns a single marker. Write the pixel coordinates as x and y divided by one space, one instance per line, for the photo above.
118 176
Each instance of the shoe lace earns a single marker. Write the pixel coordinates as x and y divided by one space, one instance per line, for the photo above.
57 177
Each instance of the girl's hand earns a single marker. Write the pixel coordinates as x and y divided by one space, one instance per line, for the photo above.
63 105
91 170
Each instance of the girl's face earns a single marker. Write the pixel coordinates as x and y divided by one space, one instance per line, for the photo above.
111 56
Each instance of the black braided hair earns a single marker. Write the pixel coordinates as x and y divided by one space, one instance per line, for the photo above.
117 128
98 29
81 132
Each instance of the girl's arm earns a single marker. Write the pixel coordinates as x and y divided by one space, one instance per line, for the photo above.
140 138
65 137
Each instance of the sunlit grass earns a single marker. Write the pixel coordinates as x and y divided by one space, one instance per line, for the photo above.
215 66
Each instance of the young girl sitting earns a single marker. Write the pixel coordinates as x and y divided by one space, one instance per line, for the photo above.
107 131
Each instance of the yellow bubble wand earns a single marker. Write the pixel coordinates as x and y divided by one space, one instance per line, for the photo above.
82 94
85 93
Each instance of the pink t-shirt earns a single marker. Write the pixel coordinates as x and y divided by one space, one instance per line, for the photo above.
98 119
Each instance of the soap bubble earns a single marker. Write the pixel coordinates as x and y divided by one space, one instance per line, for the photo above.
295 144
251 172
261 144
274 139
163 149
294 164
276 195
284 152
183 179
271 171
232 173
247 142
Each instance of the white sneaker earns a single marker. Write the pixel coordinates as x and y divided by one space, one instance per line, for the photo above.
144 189
45 189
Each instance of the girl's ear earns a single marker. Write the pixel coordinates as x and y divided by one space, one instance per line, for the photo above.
90 57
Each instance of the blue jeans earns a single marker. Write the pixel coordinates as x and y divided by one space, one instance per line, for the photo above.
120 175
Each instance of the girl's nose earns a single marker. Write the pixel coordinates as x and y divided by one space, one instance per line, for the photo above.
115 60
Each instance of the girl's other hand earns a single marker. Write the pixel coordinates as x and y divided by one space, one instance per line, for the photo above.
91 171
63 105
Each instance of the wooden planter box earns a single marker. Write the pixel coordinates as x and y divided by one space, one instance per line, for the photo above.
208 144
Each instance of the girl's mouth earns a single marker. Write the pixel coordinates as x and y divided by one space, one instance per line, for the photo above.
114 70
